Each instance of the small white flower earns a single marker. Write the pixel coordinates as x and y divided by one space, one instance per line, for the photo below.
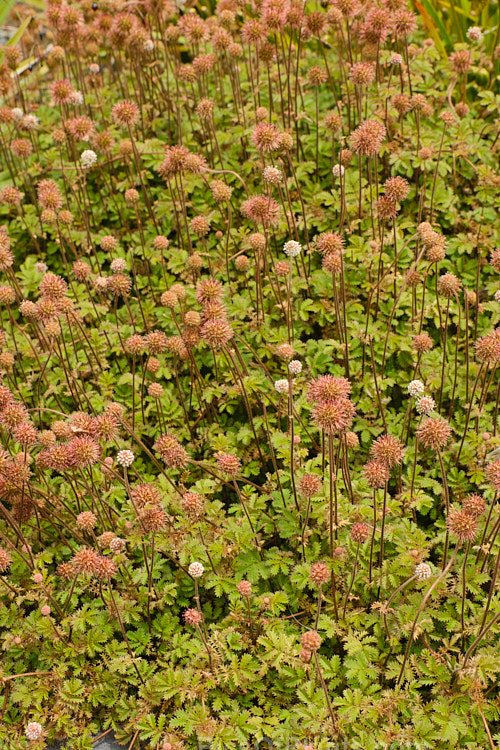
396 59
292 248
272 175
196 570
423 571
148 45
29 122
295 367
416 388
475 34
94 68
116 544
17 113
100 282
497 295
118 265
88 158
338 170
281 386
34 730
125 458
76 97
425 404
41 267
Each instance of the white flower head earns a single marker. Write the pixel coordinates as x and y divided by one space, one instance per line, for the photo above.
125 458
29 122
292 248
281 386
338 170
116 544
41 266
425 404
295 367
423 571
88 158
416 388
76 97
196 570
148 45
100 282
272 175
497 295
396 59
118 265
17 113
33 730
475 34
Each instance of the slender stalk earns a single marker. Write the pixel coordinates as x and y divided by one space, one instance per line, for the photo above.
420 610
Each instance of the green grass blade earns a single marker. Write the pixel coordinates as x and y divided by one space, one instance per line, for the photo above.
17 36
434 25
5 10
35 4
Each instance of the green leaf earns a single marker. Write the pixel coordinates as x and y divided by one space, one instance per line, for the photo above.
5 10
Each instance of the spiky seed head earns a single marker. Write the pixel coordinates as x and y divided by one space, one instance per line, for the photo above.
86 521
474 504
360 532
171 451
320 573
309 485
376 473
334 416
434 433
449 285
228 464
423 343
387 450
462 524
125 113
192 504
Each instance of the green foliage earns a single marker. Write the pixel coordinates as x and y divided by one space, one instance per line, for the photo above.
163 348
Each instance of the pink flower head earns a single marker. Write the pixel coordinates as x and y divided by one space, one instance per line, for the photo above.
261 209
334 416
265 137
328 388
368 137
228 464
192 617
125 113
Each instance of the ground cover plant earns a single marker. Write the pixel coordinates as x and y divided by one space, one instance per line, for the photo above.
249 404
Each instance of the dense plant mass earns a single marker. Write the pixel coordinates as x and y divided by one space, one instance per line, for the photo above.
250 396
